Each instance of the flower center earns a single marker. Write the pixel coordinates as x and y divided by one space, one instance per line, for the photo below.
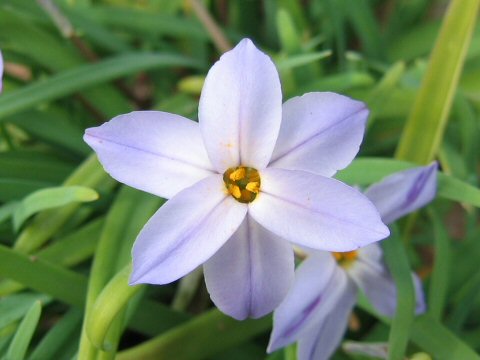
243 183
345 259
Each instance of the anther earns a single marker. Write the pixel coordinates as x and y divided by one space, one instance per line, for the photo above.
243 183
345 259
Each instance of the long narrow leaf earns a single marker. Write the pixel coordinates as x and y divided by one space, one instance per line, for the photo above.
70 81
424 129
51 198
21 340
397 261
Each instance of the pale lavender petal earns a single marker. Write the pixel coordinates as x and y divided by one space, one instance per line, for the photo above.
318 283
240 108
186 232
321 132
404 192
320 342
153 151
372 276
315 211
420 303
251 274
1 71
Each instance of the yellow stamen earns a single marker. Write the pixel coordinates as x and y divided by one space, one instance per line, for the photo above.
235 191
345 259
253 186
243 183
237 174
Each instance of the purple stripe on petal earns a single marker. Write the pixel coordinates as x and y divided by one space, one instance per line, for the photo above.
321 340
418 186
319 286
404 192
185 232
252 272
300 319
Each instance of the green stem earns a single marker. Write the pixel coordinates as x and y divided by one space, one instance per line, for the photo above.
113 298
125 219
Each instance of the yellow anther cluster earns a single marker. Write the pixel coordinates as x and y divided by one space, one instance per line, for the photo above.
243 183
345 259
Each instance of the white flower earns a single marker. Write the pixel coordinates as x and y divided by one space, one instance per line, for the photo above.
251 177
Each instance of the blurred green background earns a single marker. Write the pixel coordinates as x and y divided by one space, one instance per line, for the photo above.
66 228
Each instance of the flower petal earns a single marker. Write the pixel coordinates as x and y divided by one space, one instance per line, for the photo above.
372 276
315 211
320 342
185 232
318 281
1 71
420 304
251 274
240 108
153 151
321 132
404 192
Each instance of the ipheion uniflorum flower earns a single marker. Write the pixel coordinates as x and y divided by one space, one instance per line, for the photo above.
244 183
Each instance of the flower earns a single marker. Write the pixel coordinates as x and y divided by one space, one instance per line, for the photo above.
315 312
241 182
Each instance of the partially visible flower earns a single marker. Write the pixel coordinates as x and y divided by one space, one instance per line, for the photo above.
230 178
1 71
316 310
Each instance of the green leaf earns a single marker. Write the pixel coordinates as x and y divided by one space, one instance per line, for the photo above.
145 23
62 284
55 54
125 219
66 251
113 298
7 210
48 222
438 341
363 19
21 340
294 61
51 198
53 344
206 334
33 165
441 269
287 33
397 261
39 124
81 77
434 338
14 307
14 189
426 124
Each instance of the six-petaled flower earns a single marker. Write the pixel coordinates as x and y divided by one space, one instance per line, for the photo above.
244 183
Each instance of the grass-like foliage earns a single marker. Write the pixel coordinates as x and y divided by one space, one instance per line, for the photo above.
67 228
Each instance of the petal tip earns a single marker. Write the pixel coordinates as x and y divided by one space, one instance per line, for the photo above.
134 279
384 231
273 344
